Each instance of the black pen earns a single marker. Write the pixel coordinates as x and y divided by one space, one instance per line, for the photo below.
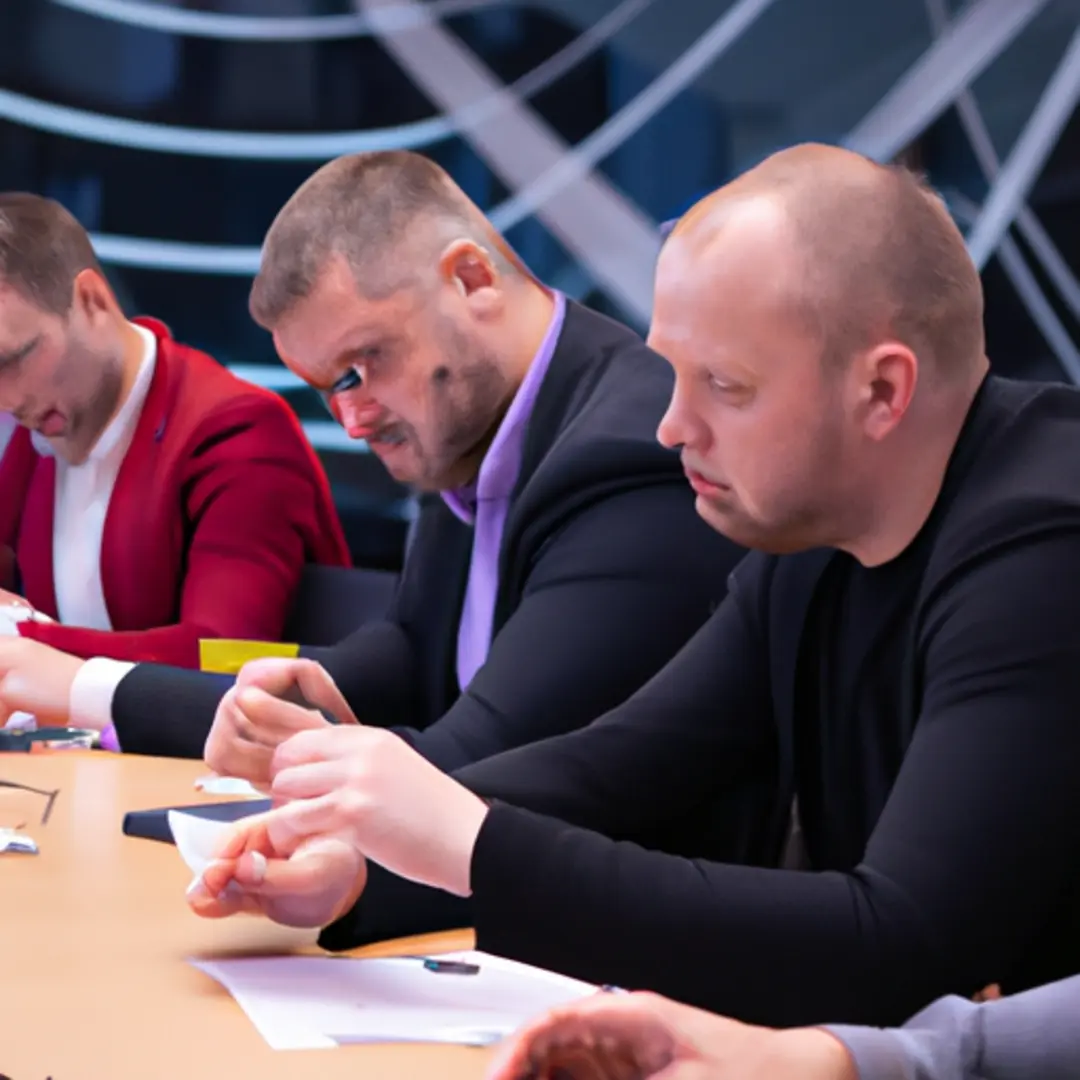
446 967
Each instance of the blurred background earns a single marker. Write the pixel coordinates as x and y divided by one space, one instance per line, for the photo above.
175 129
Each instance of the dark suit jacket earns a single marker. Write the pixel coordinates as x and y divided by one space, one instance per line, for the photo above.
971 872
605 571
219 503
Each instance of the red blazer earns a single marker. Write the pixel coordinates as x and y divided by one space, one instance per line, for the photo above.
219 503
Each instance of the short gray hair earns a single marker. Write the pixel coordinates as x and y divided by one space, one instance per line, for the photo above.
365 209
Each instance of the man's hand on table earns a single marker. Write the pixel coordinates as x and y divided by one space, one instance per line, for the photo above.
634 1036
346 794
252 720
265 869
36 679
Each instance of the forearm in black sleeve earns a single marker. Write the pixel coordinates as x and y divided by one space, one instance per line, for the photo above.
610 600
168 711
975 848
658 756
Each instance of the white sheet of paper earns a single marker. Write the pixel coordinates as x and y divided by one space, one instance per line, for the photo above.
227 785
301 1002
196 838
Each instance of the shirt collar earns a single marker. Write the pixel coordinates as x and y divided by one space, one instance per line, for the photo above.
499 469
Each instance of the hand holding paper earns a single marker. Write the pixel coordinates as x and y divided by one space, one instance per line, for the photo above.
350 794
258 868
196 838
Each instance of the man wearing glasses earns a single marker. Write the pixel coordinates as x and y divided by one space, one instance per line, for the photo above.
558 561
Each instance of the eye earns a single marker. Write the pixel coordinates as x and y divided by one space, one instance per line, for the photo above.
11 361
736 394
349 381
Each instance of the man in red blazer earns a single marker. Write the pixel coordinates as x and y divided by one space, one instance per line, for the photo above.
150 498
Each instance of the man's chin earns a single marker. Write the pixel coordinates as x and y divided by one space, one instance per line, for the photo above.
61 448
395 458
416 481
735 526
750 535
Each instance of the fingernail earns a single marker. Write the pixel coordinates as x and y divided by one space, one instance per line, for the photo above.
258 866
196 888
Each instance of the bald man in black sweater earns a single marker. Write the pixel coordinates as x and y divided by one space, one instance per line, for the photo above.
897 665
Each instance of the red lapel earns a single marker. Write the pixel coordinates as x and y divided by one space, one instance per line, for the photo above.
35 552
138 571
20 461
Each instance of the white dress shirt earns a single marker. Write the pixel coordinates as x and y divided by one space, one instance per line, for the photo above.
82 501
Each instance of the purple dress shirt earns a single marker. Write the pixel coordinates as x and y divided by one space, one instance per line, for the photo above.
485 503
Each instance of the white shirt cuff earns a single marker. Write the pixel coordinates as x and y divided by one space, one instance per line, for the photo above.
92 692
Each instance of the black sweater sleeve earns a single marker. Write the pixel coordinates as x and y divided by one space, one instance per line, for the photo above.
975 848
655 759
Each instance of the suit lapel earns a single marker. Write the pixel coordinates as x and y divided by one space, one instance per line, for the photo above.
132 561
433 583
456 547
35 551
553 401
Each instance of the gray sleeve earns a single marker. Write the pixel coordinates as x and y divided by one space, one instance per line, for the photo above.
1034 1034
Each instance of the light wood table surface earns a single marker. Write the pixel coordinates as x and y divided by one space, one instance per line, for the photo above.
96 936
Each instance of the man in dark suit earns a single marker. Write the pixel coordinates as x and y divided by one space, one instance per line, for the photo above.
562 565
900 658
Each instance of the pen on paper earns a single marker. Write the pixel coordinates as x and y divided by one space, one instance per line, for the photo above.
446 967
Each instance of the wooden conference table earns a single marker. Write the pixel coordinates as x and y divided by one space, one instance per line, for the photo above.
96 935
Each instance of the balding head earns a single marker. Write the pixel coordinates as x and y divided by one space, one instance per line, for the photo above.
825 326
385 215
872 253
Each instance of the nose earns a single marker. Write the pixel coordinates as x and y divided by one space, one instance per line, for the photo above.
679 425
357 412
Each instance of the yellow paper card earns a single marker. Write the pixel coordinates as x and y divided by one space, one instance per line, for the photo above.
227 656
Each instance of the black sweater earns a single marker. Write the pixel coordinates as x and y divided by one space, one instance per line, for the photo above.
927 715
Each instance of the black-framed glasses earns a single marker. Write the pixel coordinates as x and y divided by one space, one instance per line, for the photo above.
352 379
50 796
